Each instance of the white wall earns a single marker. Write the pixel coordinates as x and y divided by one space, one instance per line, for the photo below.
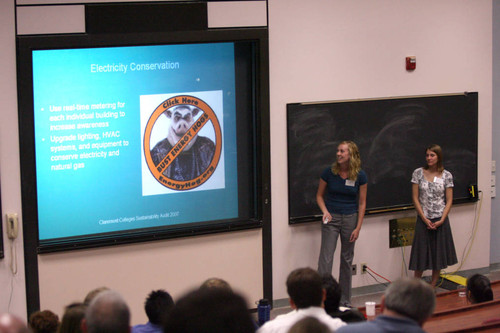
495 207
12 292
335 50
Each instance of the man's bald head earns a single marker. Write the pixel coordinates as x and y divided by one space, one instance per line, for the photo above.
12 324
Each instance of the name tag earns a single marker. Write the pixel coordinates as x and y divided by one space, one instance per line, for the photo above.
349 182
439 181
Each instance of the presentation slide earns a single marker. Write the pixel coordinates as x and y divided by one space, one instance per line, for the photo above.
134 137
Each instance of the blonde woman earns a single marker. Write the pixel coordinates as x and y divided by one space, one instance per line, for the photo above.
432 192
341 197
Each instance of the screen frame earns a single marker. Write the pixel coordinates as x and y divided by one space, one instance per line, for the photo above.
260 104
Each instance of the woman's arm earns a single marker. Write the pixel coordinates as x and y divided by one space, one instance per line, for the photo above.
361 211
449 200
418 207
320 199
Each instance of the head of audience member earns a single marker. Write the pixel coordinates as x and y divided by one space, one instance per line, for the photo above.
410 298
305 289
72 318
212 310
44 321
479 289
333 293
93 293
107 313
10 323
309 325
158 304
216 283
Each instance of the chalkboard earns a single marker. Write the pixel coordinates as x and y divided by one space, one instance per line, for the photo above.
392 135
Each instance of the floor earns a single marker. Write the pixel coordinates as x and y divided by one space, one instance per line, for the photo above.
359 300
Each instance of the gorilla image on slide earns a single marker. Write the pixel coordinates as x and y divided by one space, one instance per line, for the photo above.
196 156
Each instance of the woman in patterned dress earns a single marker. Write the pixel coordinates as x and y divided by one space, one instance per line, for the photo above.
432 193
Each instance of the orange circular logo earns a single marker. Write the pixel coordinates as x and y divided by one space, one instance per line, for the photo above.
183 160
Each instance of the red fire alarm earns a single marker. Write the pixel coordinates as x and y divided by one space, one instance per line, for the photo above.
411 63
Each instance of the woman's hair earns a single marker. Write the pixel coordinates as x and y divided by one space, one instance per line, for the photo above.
354 161
479 289
72 318
439 152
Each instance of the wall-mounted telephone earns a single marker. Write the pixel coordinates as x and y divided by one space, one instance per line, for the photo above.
12 226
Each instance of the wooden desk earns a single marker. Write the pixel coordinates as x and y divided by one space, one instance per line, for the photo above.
488 328
465 319
450 308
450 300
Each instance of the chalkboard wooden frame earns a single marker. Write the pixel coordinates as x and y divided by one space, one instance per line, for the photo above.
391 134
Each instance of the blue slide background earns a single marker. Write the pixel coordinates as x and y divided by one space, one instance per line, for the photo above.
76 202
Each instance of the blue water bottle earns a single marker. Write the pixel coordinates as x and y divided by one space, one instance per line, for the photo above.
264 311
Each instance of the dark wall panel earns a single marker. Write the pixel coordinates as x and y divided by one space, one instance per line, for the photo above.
149 17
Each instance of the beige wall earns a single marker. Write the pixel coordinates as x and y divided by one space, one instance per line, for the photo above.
319 50
134 270
12 290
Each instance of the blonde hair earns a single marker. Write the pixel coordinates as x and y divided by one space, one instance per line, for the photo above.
354 161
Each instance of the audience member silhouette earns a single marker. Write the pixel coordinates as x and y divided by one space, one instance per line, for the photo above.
72 318
10 323
332 302
309 325
479 289
44 321
406 304
216 283
107 313
304 287
93 293
157 306
212 310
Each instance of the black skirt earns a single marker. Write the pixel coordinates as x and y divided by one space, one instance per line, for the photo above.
432 249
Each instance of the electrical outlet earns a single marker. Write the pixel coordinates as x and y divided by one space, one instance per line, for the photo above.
363 268
353 269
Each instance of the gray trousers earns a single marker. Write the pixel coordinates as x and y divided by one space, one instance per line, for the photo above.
342 225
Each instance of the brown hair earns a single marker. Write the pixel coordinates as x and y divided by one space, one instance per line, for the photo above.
304 286
72 318
44 321
439 152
